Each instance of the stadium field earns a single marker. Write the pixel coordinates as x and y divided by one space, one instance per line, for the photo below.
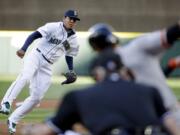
52 98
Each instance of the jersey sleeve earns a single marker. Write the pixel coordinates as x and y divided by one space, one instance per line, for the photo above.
66 114
46 30
74 46
151 43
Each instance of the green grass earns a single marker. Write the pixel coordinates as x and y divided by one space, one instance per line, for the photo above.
174 84
36 115
57 91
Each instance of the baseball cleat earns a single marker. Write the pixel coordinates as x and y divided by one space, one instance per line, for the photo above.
5 108
11 127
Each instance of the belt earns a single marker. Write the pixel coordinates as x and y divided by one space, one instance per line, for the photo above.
44 56
123 131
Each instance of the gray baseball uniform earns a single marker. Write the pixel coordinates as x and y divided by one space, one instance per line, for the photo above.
142 56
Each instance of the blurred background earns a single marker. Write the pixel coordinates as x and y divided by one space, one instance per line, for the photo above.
19 18
130 18
124 15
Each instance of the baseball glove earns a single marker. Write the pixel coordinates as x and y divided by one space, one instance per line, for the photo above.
70 77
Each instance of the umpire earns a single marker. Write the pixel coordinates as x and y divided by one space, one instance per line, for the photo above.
113 106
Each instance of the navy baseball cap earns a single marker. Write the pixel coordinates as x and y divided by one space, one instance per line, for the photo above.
72 14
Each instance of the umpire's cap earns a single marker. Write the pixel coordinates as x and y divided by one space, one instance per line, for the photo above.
72 14
101 36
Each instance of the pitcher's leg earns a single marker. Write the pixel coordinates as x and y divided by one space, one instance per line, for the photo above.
12 93
30 67
39 85
15 88
26 107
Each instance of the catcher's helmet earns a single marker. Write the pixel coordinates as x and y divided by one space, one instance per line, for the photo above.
101 36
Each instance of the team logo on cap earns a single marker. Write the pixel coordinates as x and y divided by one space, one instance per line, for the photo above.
75 13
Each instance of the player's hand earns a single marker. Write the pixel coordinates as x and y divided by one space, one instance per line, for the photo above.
20 53
70 77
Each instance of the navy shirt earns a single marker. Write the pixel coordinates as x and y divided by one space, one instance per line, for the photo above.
110 104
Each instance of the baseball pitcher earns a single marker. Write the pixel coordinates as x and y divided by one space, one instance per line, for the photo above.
55 40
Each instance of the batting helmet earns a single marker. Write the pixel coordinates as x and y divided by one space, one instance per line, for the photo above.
101 36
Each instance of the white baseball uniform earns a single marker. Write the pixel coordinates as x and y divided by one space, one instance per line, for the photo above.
54 43
142 55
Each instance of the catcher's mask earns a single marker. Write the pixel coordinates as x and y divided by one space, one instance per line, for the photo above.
101 37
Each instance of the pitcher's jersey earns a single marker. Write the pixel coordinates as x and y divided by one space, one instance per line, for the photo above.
56 42
142 56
